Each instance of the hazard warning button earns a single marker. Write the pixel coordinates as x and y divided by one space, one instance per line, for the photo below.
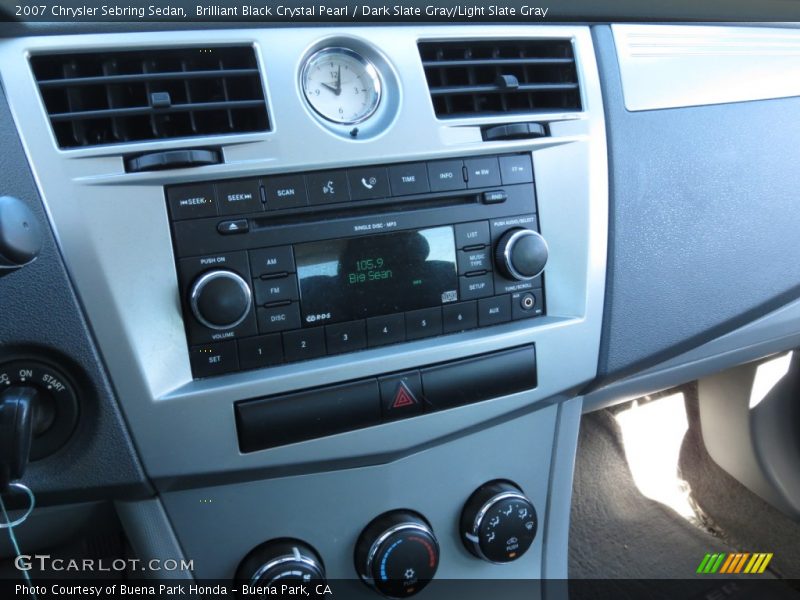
401 395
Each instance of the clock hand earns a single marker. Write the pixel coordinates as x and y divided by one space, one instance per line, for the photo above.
330 87
339 81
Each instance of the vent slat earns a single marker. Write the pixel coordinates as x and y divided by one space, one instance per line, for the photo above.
494 89
111 113
110 79
490 77
491 62
129 96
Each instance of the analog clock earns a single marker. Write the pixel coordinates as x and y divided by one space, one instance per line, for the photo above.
341 85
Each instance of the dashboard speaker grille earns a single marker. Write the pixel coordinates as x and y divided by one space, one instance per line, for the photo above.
473 78
116 97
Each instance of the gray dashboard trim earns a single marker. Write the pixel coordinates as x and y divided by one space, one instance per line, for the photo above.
774 332
124 267
669 66
701 239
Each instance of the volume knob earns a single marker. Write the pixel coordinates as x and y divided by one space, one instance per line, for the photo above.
220 299
521 254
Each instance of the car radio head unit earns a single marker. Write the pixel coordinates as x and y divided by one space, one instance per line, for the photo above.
284 268
361 277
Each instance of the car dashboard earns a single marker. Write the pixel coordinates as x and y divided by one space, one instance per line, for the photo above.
311 289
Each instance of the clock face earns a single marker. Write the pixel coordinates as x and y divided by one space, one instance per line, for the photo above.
341 85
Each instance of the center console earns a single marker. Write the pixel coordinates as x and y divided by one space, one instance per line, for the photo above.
294 267
353 352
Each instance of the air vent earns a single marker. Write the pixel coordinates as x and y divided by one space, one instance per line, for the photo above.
115 97
469 78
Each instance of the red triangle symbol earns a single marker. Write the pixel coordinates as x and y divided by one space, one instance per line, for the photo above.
403 397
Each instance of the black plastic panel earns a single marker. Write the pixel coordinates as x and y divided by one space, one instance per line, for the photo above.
704 221
41 318
474 379
264 423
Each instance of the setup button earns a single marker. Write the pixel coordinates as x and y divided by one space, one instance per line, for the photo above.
471 288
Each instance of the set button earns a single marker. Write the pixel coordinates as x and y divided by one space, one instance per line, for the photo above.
214 359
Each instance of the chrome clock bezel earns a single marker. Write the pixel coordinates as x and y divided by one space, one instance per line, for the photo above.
369 68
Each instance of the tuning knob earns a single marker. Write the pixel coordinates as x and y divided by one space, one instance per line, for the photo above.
521 254
281 561
397 554
20 235
498 523
220 299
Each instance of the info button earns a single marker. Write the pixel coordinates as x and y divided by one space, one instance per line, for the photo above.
446 175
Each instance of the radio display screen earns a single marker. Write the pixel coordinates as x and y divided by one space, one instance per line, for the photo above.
360 277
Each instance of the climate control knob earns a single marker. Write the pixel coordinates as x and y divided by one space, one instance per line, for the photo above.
498 523
220 299
282 561
397 554
521 254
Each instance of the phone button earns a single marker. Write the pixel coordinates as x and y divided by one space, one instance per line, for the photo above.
368 183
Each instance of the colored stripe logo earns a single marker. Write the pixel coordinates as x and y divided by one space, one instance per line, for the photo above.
735 563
